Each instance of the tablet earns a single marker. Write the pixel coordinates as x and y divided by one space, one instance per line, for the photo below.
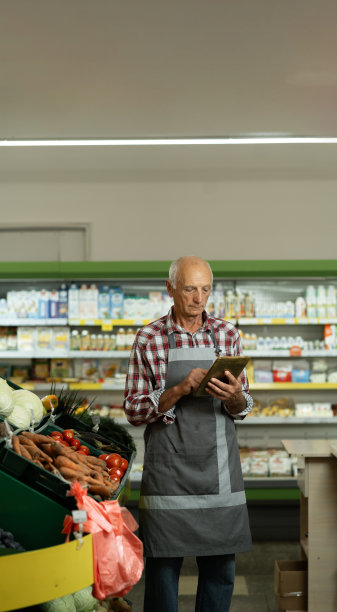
234 364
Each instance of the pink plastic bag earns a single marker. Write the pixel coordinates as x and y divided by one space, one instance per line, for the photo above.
118 553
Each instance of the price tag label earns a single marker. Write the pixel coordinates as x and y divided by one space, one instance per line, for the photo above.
107 326
79 516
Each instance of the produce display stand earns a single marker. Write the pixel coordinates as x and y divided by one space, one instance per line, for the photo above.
33 577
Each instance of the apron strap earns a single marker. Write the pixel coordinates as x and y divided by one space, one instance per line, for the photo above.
173 344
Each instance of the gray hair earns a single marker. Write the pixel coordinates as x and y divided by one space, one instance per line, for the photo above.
174 267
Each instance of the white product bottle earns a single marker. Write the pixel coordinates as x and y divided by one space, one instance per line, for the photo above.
63 302
73 302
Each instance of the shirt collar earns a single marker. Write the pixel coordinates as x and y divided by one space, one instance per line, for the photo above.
173 327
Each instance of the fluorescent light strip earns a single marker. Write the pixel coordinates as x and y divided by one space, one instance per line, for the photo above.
139 142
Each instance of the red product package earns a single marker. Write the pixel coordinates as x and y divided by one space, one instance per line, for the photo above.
118 553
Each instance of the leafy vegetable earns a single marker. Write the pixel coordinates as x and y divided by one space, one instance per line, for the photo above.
26 399
20 417
84 601
61 604
6 399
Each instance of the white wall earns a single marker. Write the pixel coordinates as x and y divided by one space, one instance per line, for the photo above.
286 219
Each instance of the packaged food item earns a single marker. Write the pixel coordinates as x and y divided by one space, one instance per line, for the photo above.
3 338
44 338
83 302
60 368
121 339
75 343
73 302
90 369
116 302
100 342
130 336
107 369
12 339
3 308
93 342
43 304
280 465
62 307
107 342
26 339
263 371
53 303
41 369
92 302
104 302
282 371
61 338
85 340
19 373
329 337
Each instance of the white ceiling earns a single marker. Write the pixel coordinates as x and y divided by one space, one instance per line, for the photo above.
127 68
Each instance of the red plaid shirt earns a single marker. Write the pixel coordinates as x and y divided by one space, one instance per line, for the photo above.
148 364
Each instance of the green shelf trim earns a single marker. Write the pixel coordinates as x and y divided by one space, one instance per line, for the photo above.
159 269
272 494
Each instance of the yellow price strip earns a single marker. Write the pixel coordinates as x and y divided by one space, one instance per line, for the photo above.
107 326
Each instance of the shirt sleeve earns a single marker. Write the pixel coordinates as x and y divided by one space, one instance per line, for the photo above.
142 391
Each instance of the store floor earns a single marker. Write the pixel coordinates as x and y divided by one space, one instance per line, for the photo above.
254 585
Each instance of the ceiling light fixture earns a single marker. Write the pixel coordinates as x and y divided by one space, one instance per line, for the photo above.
127 142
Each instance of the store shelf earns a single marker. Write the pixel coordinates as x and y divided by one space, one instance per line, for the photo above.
32 322
37 576
286 353
285 321
291 386
57 354
109 323
278 420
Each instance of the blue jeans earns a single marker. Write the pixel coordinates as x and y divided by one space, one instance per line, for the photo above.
215 583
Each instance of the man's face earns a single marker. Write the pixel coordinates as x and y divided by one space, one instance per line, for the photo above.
192 290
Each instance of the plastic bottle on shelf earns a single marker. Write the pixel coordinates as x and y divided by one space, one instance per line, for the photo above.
130 336
53 303
311 301
62 312
321 302
219 301
121 339
75 340
83 302
73 302
92 302
331 302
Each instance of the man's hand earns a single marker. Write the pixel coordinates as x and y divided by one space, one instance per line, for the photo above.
171 396
192 381
230 393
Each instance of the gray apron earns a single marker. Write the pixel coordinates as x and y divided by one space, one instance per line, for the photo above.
192 499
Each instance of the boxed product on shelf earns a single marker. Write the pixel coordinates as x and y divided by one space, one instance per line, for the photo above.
104 310
44 338
60 368
314 409
107 369
86 369
61 338
301 371
40 369
26 339
116 303
263 371
282 371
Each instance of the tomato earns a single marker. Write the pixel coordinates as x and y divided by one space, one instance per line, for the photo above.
68 435
103 457
124 464
75 443
80 452
114 460
116 472
114 477
57 434
84 449
64 442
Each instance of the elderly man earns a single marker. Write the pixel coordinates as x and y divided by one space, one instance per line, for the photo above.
192 495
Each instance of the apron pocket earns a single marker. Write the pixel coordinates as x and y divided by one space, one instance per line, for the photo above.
180 474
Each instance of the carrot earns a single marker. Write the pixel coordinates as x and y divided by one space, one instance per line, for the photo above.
25 453
16 445
64 462
36 438
71 474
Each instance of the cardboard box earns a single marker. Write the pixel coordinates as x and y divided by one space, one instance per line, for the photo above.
291 584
